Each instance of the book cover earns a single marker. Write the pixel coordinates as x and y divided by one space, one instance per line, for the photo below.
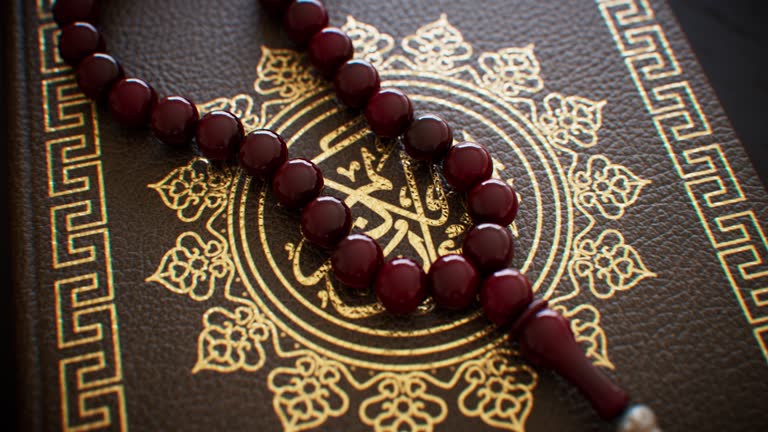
157 292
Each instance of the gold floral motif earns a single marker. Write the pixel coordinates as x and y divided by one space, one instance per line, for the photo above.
370 44
609 187
608 264
585 325
403 403
195 267
232 340
510 71
571 119
240 105
194 188
282 72
499 393
306 395
437 46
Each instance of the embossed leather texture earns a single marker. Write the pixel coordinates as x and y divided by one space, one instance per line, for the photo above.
156 292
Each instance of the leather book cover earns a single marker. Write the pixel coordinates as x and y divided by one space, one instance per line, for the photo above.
156 292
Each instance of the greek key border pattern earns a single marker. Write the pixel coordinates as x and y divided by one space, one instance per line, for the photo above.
92 395
723 209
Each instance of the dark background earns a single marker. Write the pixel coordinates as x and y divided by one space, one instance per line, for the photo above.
729 38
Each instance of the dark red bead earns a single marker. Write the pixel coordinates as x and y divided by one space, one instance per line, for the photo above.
329 49
489 246
218 135
131 101
96 74
492 201
303 19
275 7
389 113
466 165
69 11
453 282
79 40
505 295
356 261
401 285
355 82
262 152
428 138
546 340
174 120
325 221
297 182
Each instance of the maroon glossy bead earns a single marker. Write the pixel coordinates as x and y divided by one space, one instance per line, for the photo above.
356 260
428 138
218 135
329 49
492 201
489 246
96 74
297 182
453 282
546 341
303 19
174 120
325 221
69 11
262 152
355 82
505 295
466 165
389 113
401 285
275 7
79 40
131 101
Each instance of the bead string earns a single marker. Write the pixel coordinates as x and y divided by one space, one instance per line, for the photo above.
357 261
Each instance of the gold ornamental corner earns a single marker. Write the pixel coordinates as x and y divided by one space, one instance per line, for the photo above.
237 254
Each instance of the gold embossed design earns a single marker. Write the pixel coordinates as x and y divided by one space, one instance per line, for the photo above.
726 214
370 44
607 187
318 375
307 394
498 392
511 71
571 119
233 340
437 46
403 402
88 357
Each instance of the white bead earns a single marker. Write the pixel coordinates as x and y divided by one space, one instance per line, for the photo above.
638 418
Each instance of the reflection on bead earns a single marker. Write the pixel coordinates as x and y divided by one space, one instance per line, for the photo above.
79 40
453 282
218 135
489 246
297 182
262 152
329 49
428 138
505 295
131 101
466 165
355 82
401 286
325 221
389 113
303 19
492 201
96 74
174 120
356 260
